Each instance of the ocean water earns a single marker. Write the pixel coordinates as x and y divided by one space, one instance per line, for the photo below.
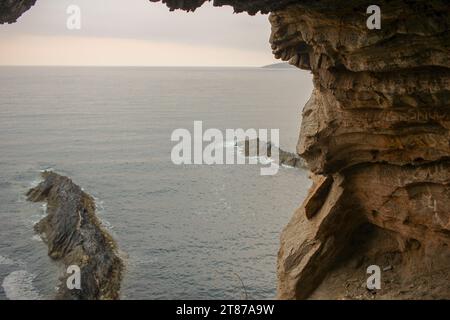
186 232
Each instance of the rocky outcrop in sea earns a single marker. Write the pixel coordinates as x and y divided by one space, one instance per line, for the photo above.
257 147
75 237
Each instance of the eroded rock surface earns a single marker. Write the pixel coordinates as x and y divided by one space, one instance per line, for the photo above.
378 125
375 134
74 236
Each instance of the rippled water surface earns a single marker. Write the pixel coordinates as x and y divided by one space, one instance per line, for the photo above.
187 232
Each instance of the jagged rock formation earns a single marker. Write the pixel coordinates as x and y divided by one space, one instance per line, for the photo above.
74 236
375 135
250 6
10 10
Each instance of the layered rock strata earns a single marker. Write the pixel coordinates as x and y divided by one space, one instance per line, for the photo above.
75 237
375 135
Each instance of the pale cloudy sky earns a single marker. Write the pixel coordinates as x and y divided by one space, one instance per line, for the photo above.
135 32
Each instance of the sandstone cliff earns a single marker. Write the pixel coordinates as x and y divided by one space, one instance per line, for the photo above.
375 135
74 236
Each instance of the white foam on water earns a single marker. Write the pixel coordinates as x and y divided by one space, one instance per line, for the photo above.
34 183
37 181
229 144
106 224
100 212
18 285
225 145
35 218
36 237
6 261
99 205
262 159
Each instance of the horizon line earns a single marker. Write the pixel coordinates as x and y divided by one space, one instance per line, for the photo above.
129 66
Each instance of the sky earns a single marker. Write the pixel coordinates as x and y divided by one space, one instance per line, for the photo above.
135 33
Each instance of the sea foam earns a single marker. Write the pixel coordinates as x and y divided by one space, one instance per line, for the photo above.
18 285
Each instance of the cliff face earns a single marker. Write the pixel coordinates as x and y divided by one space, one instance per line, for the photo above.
375 134
75 237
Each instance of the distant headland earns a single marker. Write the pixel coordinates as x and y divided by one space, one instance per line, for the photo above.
281 65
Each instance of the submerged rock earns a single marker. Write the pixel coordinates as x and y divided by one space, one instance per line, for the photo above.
74 236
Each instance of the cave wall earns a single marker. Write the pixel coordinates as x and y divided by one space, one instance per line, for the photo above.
375 135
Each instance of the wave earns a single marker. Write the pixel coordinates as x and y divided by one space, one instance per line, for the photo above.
101 212
34 183
35 218
37 237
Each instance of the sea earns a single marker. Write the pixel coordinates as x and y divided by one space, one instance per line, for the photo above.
184 231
